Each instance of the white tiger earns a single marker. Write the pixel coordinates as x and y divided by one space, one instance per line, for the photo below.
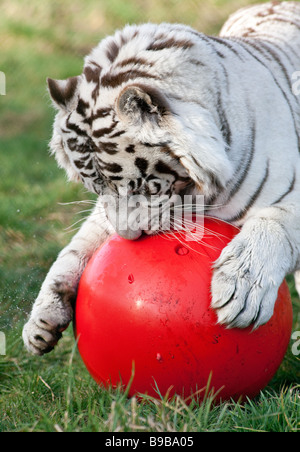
164 110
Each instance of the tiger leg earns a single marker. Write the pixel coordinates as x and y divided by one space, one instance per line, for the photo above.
251 268
53 310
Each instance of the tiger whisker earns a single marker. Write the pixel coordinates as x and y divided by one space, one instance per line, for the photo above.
196 207
74 224
198 236
181 240
85 201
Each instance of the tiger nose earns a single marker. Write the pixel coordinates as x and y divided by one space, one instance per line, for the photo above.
129 234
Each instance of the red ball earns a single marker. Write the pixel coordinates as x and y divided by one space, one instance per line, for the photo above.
148 302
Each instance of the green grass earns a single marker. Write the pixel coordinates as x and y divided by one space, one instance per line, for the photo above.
56 393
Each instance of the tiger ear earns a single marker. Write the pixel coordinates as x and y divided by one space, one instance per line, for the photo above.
64 92
138 103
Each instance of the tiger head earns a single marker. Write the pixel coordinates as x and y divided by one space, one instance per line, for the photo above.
121 135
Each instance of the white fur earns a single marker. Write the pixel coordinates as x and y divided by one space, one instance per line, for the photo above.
261 113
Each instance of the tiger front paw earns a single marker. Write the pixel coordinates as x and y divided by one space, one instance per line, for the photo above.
51 315
244 287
